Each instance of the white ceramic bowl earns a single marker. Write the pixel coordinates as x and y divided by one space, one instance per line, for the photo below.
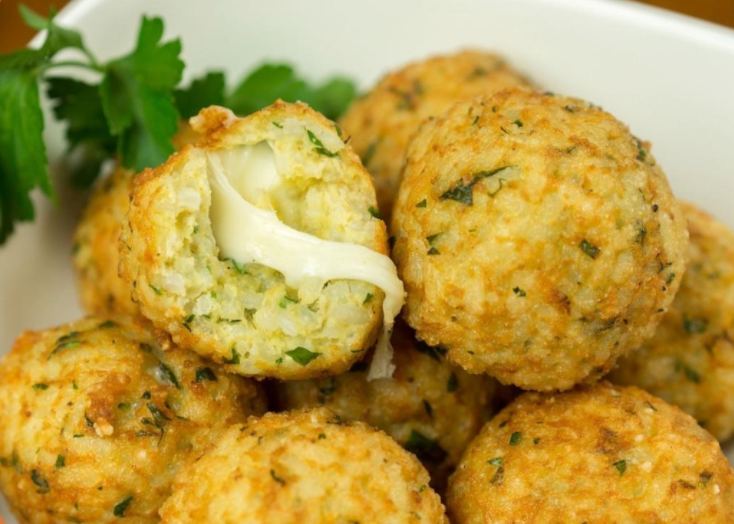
671 78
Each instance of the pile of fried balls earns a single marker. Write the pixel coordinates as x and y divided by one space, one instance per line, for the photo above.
564 352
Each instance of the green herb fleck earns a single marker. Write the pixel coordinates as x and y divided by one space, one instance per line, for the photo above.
519 292
166 375
695 326
429 409
374 212
205 374
158 291
690 373
322 436
319 146
287 300
107 324
120 508
276 478
621 466
40 387
518 123
670 278
369 153
435 352
159 417
424 448
235 358
590 249
499 476
302 355
240 268
422 203
367 298
641 235
515 438
39 481
453 383
60 462
187 322
279 126
463 191
497 461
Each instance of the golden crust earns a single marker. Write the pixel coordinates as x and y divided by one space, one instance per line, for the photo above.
690 360
95 255
237 315
303 467
426 398
594 454
382 122
79 436
535 236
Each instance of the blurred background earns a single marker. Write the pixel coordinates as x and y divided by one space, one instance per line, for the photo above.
14 34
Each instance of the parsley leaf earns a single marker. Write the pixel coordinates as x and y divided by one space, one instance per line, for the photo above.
302 355
424 448
23 157
202 92
137 99
80 105
271 82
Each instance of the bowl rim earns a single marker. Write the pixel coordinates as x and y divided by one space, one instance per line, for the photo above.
693 29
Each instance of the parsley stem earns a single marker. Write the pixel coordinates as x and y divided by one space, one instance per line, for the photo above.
70 63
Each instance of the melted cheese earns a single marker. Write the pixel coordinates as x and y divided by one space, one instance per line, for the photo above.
248 234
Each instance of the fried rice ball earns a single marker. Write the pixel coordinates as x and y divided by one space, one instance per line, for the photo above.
536 238
98 416
382 122
245 315
95 254
429 406
303 467
690 360
594 454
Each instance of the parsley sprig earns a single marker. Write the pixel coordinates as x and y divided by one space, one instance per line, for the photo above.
129 111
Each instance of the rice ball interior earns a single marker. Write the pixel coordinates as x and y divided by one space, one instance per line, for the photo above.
180 245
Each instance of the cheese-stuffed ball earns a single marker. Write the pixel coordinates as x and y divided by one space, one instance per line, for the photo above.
260 247
303 467
382 122
95 253
690 360
97 418
594 454
536 238
429 406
